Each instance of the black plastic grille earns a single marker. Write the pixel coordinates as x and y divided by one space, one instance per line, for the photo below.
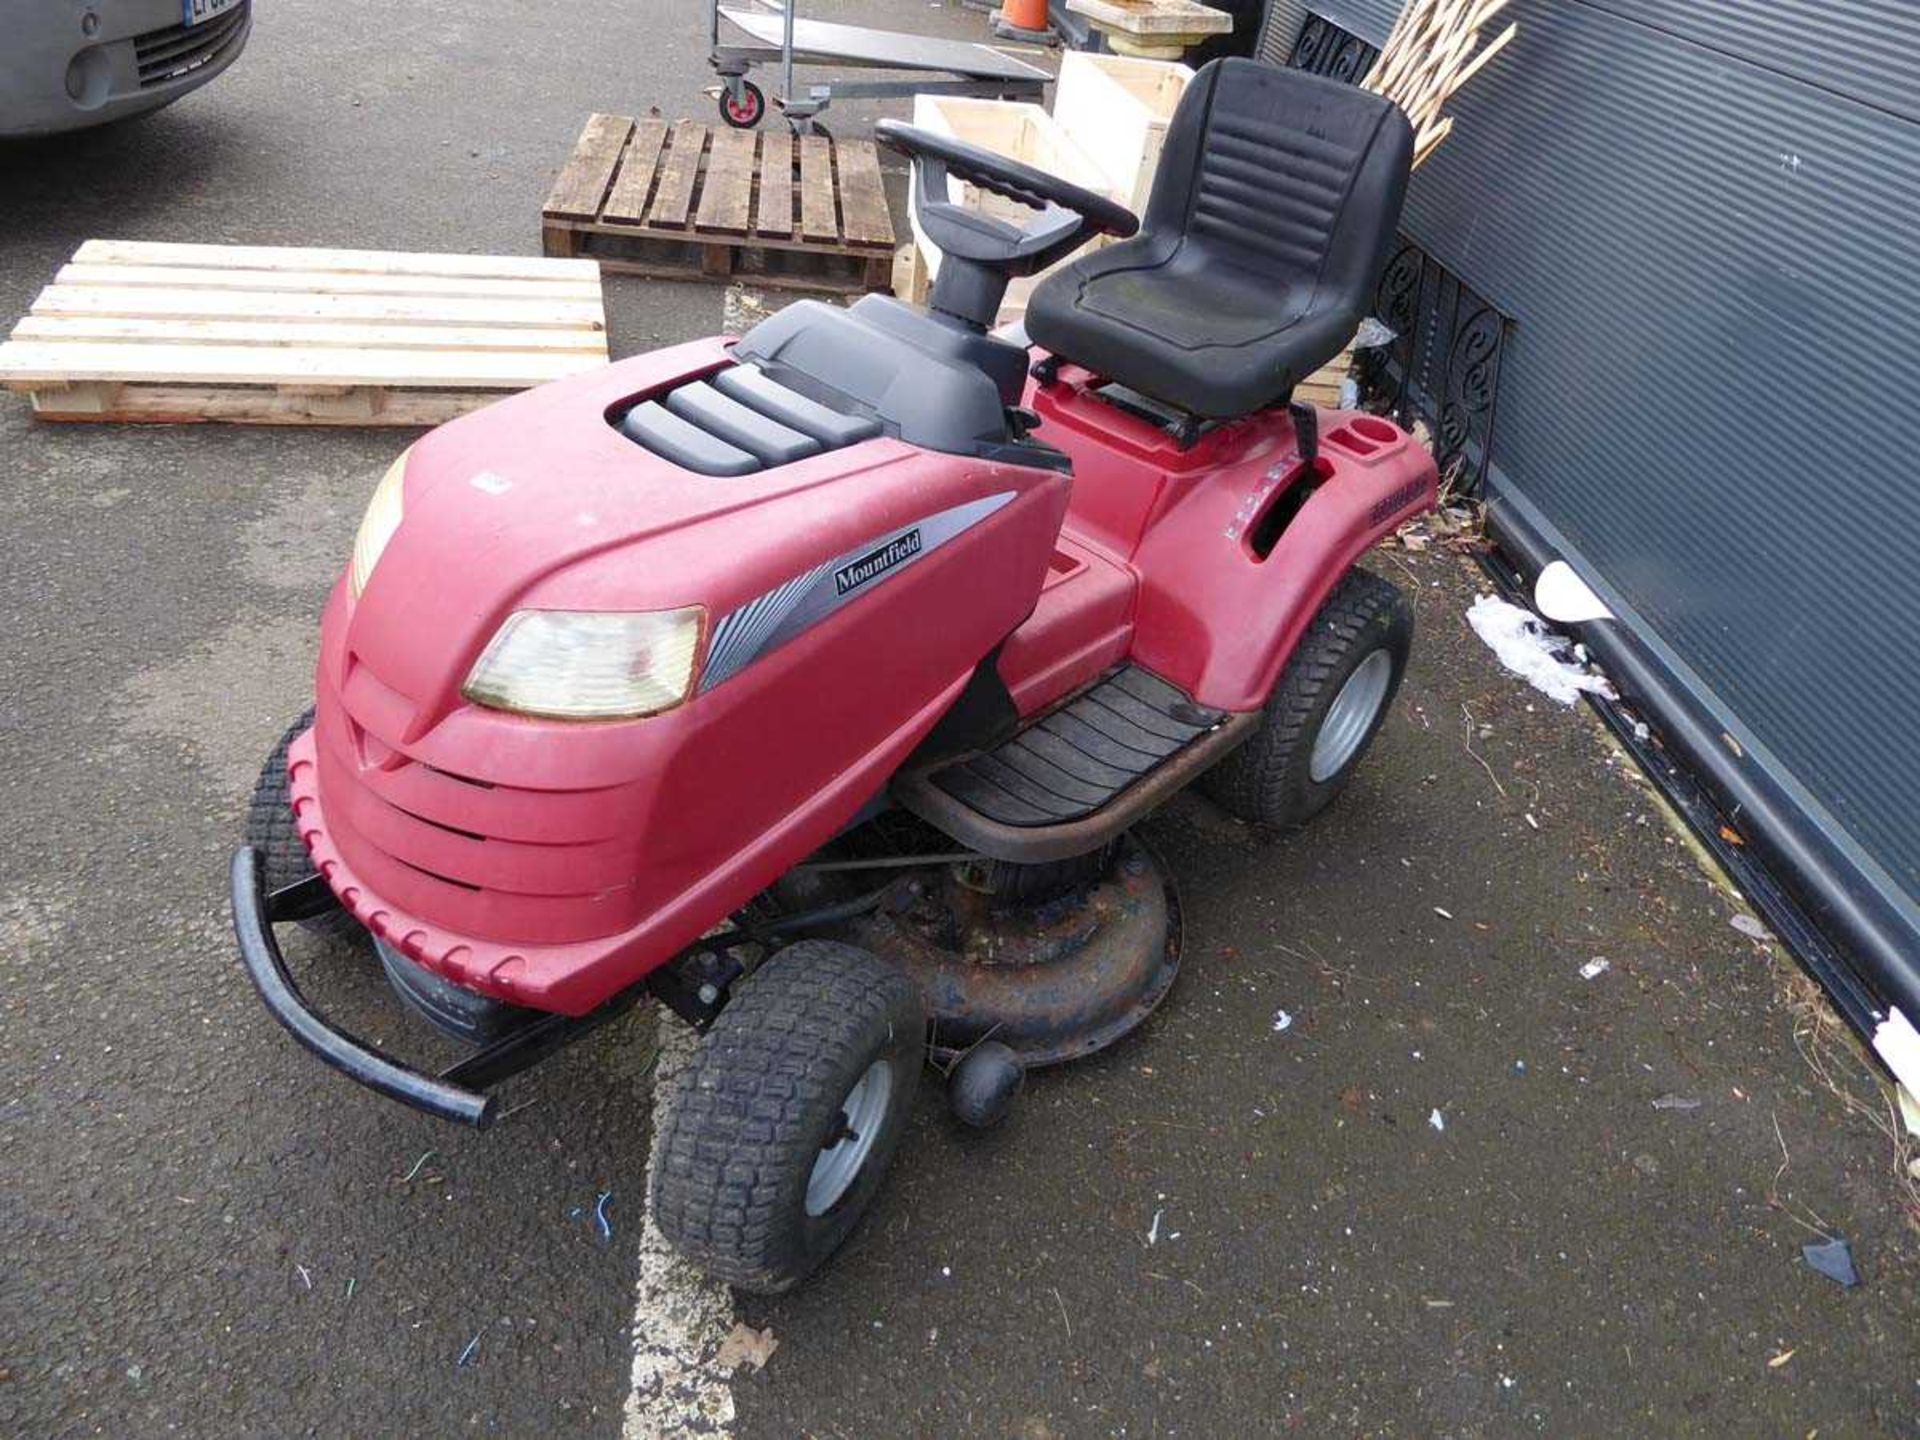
168 54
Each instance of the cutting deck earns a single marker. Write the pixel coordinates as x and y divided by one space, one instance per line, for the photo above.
293 336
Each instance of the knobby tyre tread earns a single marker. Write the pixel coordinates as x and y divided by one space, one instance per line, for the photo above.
746 1118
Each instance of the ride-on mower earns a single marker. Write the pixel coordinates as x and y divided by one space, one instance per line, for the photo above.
810 682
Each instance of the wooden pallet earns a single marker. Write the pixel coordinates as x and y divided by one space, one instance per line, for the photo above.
689 201
288 336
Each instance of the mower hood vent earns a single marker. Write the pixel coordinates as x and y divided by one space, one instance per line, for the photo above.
737 421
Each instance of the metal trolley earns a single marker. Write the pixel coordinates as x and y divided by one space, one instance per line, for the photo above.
776 33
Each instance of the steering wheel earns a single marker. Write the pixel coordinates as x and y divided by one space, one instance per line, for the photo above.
1005 177
981 254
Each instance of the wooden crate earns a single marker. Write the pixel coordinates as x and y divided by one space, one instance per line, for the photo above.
689 201
1015 129
293 336
1116 110
1323 387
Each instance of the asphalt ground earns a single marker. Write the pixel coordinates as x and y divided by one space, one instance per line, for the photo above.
1221 1227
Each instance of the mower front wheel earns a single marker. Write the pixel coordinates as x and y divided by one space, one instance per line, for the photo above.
780 1128
1325 710
283 854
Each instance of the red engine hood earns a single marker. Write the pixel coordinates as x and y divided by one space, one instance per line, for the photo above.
540 503
554 862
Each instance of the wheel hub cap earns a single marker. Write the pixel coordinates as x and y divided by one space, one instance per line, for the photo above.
844 1155
1350 717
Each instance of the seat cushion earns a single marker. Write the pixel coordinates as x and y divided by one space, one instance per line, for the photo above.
1219 307
1271 211
1206 338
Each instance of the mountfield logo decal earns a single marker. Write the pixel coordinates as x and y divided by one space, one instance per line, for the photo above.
798 603
1391 505
875 563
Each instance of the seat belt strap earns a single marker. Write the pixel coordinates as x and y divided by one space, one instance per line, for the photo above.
1306 430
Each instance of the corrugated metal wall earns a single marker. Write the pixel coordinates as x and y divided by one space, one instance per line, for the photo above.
1705 221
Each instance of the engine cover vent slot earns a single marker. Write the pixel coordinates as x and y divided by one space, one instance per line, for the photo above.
739 422
750 385
654 427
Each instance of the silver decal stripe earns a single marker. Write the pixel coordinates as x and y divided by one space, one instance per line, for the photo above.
797 605
738 638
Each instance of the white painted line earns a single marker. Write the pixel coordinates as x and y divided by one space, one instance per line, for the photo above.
680 1317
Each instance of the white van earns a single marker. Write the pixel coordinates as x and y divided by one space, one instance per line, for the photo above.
65 64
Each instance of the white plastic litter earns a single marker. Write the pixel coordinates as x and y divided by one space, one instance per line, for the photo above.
1526 647
1676 1102
1282 1020
1909 1112
1564 598
1373 333
1898 1043
1437 1121
1595 967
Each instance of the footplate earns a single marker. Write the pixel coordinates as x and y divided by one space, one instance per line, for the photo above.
1076 777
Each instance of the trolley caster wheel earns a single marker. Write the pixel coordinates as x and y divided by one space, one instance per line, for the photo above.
748 110
985 1084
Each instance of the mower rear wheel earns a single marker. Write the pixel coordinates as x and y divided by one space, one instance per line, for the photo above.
779 1130
271 832
1324 713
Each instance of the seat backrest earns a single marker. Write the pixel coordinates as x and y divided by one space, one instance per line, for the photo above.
1294 177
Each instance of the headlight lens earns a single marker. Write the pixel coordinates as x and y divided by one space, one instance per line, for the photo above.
572 665
379 523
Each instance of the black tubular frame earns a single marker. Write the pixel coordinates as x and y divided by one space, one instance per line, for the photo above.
457 1092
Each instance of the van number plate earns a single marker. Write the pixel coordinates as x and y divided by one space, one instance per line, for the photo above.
192 12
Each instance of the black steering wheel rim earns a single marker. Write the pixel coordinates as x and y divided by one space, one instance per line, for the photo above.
1007 177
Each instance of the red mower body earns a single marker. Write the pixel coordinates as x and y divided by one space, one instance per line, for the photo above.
554 863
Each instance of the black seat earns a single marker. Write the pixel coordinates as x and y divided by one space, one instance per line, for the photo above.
1277 196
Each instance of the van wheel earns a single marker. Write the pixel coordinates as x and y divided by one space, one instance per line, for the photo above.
283 854
779 1130
1324 713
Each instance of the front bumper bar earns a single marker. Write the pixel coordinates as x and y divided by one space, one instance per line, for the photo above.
254 912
